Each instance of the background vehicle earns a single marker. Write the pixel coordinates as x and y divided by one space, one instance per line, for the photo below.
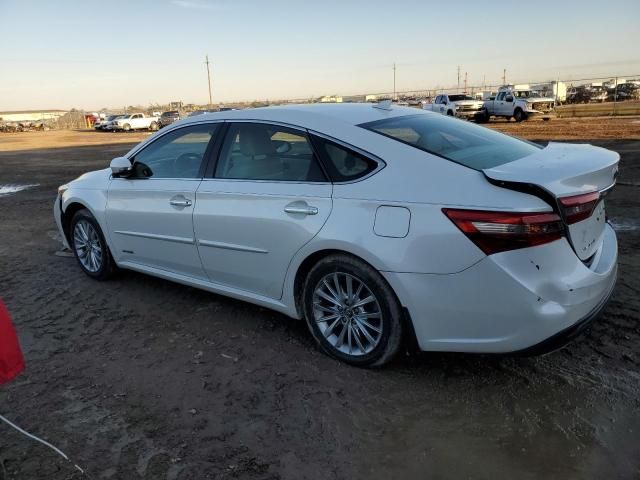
134 121
105 122
167 118
347 216
457 105
517 103
624 91
199 112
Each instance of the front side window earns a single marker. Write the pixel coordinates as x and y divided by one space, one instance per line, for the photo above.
343 164
178 154
462 142
258 151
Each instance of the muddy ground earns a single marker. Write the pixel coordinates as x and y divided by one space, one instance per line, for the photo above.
140 378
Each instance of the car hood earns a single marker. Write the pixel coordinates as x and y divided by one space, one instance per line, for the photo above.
94 179
539 99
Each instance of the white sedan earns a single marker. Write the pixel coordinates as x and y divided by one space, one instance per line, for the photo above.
378 225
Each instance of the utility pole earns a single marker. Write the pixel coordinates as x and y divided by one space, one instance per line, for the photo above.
504 76
394 82
465 82
209 79
458 77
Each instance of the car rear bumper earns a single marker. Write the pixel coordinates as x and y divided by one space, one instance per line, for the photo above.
530 300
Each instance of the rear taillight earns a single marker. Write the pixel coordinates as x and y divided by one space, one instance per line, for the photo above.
495 232
579 207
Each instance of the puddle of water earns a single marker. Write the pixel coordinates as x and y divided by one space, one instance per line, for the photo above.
623 225
10 189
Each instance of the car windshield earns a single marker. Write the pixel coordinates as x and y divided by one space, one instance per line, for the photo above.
525 94
169 114
462 142
457 98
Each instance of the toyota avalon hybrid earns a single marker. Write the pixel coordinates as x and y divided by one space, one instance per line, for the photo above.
378 225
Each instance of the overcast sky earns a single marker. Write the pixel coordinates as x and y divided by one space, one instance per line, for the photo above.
110 53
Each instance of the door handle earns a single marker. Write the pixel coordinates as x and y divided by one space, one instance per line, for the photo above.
180 202
304 210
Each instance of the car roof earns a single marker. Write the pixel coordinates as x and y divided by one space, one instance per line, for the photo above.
311 115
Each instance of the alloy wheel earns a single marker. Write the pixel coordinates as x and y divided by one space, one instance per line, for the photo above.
87 245
348 314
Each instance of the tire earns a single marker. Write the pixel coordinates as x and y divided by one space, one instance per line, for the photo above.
482 116
153 127
519 115
368 339
450 113
126 127
84 227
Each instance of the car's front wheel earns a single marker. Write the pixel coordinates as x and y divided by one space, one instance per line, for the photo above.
90 247
352 312
519 115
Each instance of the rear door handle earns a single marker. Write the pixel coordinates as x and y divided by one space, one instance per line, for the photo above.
180 201
304 210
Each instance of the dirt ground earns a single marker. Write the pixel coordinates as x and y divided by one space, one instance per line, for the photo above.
140 378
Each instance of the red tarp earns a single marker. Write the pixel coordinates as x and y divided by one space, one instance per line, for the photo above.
11 360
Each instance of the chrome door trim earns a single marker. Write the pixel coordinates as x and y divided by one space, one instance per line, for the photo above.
231 246
154 236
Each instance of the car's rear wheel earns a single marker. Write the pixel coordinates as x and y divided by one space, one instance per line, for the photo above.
352 312
153 127
90 247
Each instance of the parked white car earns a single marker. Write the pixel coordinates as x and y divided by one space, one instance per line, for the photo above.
376 224
135 121
104 123
519 104
455 105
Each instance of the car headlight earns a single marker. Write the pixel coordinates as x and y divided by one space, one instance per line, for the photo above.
62 189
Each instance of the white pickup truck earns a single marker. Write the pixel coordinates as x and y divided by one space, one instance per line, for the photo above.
134 121
455 105
517 103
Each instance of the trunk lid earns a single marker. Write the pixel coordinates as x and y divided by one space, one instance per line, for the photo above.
562 170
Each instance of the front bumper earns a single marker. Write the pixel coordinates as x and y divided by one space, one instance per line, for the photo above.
467 113
533 298
57 215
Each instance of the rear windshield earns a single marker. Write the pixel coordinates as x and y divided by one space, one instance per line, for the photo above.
456 140
169 114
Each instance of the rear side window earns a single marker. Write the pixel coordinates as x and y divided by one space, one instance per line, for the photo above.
456 140
258 151
342 163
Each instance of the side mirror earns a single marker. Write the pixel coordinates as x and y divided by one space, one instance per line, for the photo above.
509 98
120 167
